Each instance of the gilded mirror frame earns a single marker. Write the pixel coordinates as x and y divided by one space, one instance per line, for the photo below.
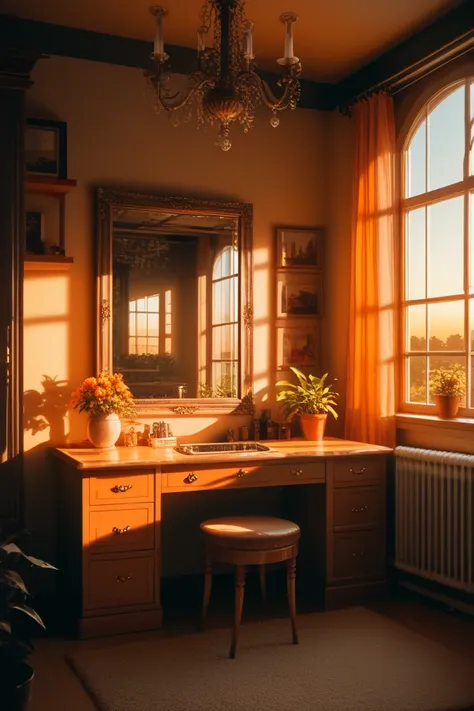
107 199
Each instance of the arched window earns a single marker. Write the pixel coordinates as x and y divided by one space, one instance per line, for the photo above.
438 245
224 323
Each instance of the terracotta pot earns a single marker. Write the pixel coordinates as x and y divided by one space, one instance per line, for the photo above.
447 406
16 694
313 426
104 430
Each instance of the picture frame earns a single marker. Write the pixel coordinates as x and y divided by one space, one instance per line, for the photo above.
299 247
34 237
299 294
46 148
297 345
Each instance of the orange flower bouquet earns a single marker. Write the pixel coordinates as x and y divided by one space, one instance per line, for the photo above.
106 399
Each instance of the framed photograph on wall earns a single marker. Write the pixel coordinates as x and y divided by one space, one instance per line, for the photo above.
299 294
46 148
299 247
297 345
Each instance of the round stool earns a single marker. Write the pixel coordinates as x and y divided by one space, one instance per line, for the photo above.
250 540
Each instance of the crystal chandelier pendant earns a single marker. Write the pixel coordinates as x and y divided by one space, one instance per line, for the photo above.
225 87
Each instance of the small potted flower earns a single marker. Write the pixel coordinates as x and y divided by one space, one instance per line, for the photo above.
312 398
106 398
448 385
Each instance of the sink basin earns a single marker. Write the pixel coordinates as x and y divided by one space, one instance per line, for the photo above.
221 448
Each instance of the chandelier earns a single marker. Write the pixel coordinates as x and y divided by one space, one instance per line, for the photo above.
225 86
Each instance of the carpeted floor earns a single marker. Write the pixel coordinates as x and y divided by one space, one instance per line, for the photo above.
348 660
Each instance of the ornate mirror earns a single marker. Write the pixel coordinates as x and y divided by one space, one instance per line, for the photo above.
174 305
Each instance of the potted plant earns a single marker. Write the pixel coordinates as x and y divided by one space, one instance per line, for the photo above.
312 399
16 675
106 399
448 385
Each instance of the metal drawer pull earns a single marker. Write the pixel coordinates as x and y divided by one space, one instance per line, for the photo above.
121 488
296 472
357 471
121 530
123 578
358 509
190 478
241 473
354 555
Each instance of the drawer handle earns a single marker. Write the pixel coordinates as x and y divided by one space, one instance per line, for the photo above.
358 472
296 472
241 473
191 478
121 530
358 509
121 488
354 555
123 578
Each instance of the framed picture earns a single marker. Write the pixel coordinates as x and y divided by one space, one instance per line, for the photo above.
46 148
299 294
297 346
299 248
34 243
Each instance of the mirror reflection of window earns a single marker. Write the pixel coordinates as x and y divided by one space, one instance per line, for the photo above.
225 316
144 325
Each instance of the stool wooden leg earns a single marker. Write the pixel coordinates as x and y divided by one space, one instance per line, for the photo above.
239 603
207 589
290 584
263 582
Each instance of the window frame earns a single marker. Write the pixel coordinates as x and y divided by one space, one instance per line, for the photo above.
465 187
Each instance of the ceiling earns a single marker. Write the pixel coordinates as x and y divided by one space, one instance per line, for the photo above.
333 38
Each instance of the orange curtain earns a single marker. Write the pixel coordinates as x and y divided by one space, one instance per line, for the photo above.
371 367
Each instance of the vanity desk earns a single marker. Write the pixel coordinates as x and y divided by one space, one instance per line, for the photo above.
110 521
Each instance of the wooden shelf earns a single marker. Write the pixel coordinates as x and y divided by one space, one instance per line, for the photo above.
45 185
46 262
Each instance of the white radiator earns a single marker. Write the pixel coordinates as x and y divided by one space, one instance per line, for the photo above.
434 526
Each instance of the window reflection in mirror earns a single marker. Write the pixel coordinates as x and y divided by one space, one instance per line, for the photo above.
176 295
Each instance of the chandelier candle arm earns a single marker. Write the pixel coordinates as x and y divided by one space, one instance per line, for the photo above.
202 33
288 19
158 45
248 41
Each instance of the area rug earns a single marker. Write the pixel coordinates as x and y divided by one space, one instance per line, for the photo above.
348 660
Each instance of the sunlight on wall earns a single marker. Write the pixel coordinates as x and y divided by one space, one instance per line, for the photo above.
46 353
263 344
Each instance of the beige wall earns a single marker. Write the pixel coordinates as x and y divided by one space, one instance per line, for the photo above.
116 139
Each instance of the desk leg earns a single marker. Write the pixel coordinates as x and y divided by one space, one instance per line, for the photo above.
207 589
290 584
239 603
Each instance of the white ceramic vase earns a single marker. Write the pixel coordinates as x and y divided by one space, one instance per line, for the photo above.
104 430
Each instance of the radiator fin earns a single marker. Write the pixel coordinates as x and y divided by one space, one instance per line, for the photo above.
433 507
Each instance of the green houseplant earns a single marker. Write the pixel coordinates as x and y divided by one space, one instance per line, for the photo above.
312 399
16 618
448 385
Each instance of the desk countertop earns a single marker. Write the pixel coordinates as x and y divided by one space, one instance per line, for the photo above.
82 457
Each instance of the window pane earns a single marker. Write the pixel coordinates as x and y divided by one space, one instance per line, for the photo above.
416 325
416 254
416 163
225 343
226 264
225 301
471 243
153 320
446 247
436 362
446 133
153 303
141 306
141 324
167 345
417 379
446 326
132 324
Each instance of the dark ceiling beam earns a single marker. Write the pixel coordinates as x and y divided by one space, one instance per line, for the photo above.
49 39
443 40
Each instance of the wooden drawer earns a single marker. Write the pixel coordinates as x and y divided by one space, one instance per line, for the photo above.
119 581
359 554
359 506
244 475
120 486
359 471
129 528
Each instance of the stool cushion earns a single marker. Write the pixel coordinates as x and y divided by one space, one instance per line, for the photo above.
250 532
